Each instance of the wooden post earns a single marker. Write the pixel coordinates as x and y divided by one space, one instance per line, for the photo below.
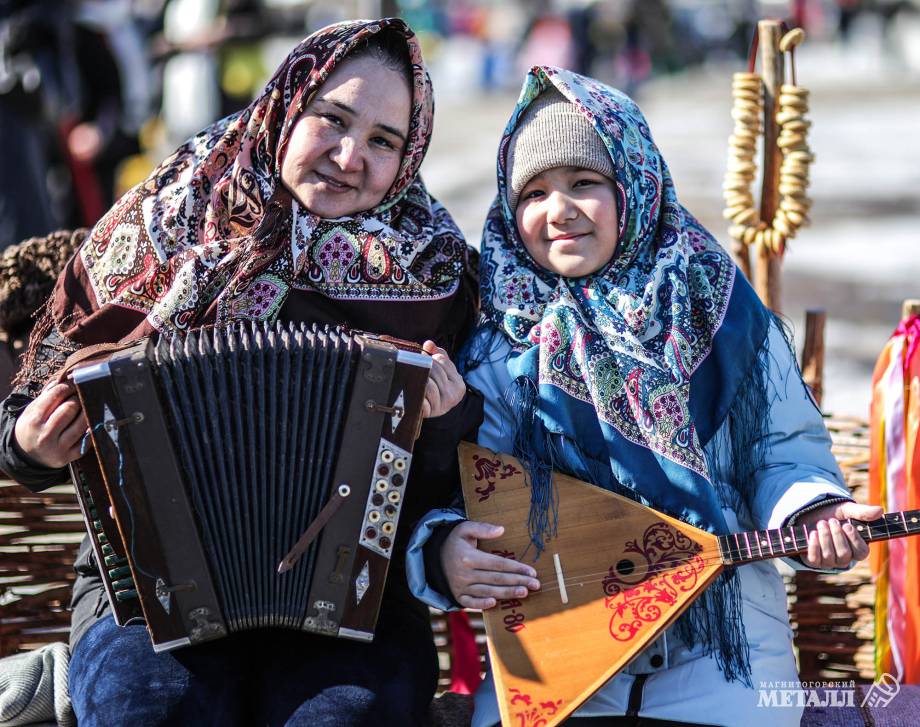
769 266
813 352
910 308
742 258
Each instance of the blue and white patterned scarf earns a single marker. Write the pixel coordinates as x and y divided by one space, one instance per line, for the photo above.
639 363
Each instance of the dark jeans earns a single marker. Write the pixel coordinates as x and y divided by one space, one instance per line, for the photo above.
264 677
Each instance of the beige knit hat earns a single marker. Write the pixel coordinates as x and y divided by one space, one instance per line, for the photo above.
552 133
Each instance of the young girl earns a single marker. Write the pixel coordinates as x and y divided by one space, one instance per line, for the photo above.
620 345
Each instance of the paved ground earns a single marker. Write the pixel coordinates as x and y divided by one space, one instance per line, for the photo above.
861 256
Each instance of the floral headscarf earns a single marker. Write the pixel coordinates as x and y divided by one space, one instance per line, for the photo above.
211 236
639 363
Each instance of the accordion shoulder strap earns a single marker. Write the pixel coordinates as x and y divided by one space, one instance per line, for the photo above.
88 354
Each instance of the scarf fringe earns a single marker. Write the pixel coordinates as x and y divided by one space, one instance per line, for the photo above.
715 619
538 454
478 348
28 375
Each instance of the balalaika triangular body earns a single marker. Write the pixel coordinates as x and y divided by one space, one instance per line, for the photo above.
614 576
607 592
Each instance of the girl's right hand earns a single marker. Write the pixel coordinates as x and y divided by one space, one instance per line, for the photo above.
480 580
50 428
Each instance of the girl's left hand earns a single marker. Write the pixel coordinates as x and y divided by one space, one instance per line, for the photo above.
445 388
833 543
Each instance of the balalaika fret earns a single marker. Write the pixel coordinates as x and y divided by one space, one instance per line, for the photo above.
248 477
740 548
615 575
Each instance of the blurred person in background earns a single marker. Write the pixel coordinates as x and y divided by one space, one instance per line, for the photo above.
847 11
28 96
547 39
75 86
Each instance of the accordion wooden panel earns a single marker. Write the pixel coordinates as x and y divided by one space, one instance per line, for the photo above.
216 450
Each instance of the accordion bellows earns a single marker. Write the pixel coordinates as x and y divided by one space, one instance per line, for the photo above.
216 450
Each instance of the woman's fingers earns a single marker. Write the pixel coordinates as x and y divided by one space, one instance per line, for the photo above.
833 542
490 586
436 387
439 374
829 546
813 555
72 454
477 530
480 579
72 436
46 402
499 593
446 366
432 400
859 546
479 604
445 388
43 423
858 512
843 551
502 578
474 531
481 561
825 543
63 417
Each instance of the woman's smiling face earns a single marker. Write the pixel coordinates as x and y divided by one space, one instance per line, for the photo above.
345 150
567 220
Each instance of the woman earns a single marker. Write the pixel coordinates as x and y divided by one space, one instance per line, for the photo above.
305 206
619 345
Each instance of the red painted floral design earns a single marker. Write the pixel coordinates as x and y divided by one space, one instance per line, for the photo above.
526 713
668 563
490 470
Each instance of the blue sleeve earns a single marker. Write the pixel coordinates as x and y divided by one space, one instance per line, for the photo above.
800 472
415 558
492 379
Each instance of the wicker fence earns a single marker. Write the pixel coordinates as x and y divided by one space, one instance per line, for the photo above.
832 615
39 535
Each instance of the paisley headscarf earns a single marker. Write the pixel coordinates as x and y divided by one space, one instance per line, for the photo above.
639 363
211 236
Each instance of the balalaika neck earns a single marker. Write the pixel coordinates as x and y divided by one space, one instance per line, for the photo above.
740 548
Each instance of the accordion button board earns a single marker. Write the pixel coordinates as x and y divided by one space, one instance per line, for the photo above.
214 451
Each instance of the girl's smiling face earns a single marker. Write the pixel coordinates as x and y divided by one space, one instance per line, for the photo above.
567 220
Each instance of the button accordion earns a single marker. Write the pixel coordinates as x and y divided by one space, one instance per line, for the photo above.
220 454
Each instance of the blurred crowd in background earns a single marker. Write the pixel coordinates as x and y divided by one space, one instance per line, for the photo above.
93 94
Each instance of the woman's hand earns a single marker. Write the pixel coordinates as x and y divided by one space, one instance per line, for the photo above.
478 579
832 543
50 428
445 388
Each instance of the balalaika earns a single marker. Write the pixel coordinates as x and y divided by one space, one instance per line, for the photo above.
614 576
248 477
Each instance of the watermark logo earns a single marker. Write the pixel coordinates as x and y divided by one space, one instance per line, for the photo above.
882 691
807 694
827 694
